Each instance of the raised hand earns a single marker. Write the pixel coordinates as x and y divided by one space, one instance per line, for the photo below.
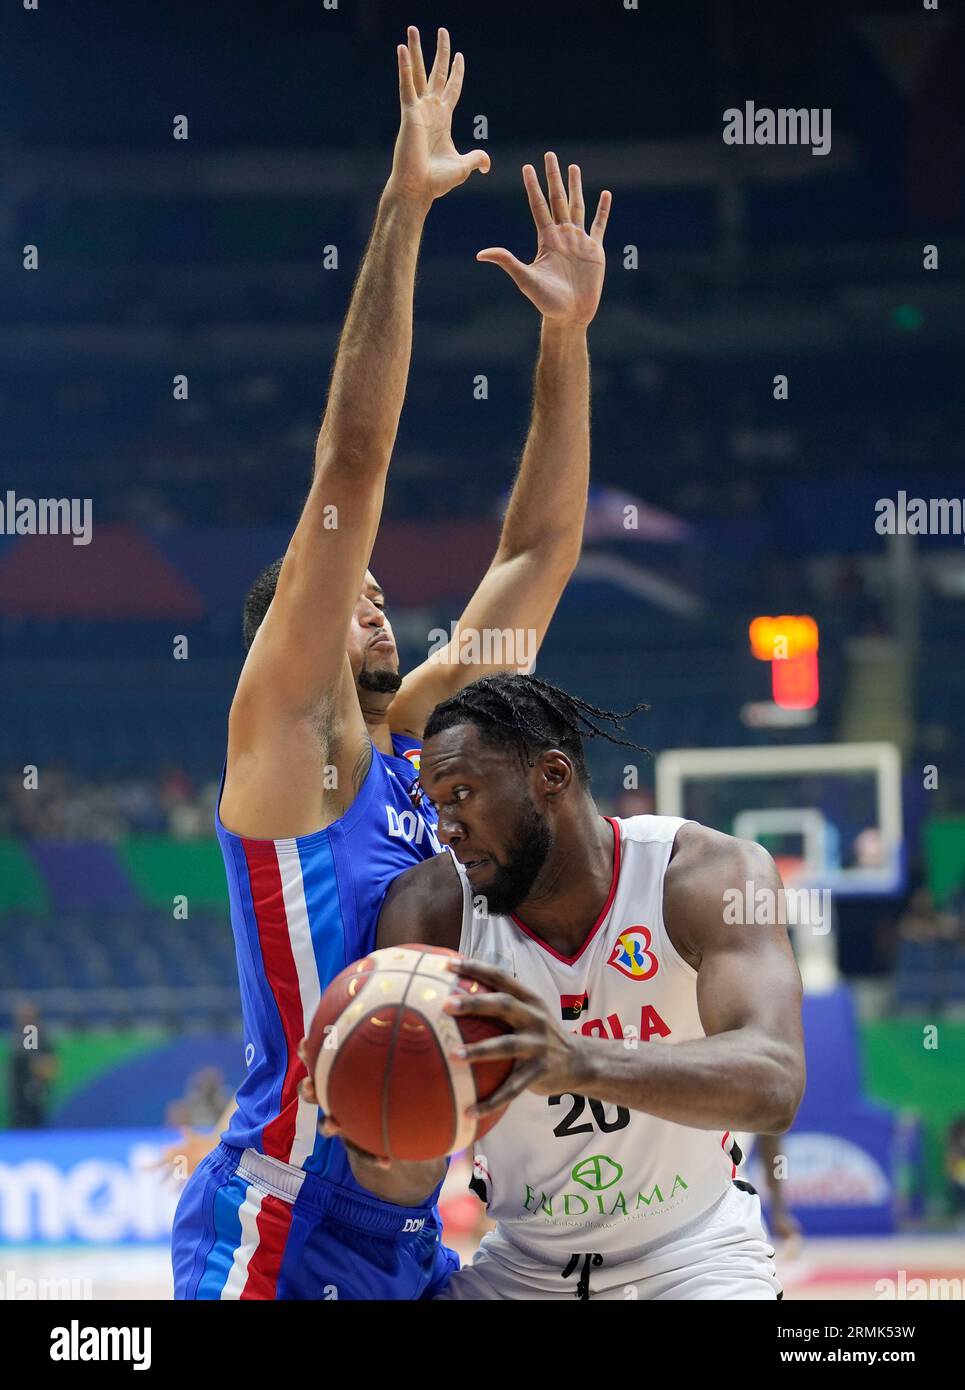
426 163
565 280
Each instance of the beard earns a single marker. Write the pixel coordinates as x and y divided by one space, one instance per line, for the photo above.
379 682
513 878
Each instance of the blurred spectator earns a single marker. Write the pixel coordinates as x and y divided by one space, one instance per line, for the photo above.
64 807
924 922
635 803
869 849
33 1068
955 1168
202 1104
861 609
955 907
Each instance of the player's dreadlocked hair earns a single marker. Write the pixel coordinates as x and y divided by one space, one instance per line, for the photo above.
259 597
532 715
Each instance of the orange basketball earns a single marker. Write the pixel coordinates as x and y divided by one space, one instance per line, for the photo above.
378 1051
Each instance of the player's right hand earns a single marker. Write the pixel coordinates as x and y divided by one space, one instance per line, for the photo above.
406 1184
426 163
327 1124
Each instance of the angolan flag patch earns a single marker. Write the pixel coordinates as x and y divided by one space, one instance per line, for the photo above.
572 1005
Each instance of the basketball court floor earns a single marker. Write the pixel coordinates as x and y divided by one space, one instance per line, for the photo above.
823 1269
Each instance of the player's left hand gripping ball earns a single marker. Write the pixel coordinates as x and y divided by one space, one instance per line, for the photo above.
382 1056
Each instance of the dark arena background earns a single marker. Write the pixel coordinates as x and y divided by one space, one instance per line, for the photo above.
773 556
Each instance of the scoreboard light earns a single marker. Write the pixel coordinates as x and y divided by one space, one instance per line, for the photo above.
790 644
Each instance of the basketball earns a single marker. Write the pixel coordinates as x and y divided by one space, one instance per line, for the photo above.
378 1051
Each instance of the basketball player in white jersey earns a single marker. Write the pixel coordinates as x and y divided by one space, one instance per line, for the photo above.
646 1028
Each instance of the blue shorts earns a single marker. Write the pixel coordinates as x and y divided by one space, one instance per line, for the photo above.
250 1227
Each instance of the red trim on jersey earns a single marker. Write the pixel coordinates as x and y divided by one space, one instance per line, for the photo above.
723 1145
268 901
571 960
273 1224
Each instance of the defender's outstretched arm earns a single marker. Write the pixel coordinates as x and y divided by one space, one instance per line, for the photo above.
296 710
543 529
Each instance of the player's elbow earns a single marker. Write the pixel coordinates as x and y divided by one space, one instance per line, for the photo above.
784 1094
563 557
563 550
779 1121
354 453
553 555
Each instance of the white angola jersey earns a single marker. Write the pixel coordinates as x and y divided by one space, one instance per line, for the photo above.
563 1174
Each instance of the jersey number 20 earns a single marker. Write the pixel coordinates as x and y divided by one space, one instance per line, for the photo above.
568 1126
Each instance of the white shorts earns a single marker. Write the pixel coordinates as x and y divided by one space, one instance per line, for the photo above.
723 1253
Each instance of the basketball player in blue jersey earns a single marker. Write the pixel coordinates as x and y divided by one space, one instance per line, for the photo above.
315 816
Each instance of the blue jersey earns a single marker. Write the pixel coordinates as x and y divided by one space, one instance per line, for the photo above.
301 910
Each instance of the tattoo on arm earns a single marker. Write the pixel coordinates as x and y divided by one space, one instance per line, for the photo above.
362 764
